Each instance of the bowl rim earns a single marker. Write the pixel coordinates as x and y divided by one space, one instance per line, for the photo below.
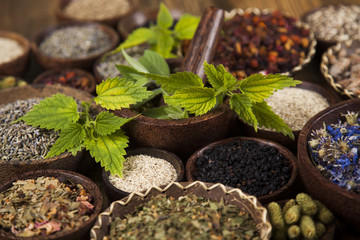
21 40
298 24
87 183
187 187
190 165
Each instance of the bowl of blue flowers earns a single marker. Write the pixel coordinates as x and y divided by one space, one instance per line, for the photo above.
329 164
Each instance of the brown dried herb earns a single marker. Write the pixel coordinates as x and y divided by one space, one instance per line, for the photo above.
189 217
43 206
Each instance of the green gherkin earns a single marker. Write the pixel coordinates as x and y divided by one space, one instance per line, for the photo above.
287 205
293 232
307 204
320 229
293 214
307 227
324 214
276 218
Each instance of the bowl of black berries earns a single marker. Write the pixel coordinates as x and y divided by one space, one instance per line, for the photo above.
257 166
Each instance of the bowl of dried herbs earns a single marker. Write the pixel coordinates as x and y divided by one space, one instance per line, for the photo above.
185 211
328 159
48 204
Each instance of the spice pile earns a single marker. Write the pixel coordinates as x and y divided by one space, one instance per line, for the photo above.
270 42
345 69
189 217
334 150
9 49
296 106
300 218
335 22
96 9
20 142
255 169
141 172
43 206
75 42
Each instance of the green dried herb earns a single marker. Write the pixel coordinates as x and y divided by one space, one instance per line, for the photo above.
189 217
43 206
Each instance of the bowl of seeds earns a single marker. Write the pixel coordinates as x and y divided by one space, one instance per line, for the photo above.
258 167
24 147
73 45
185 210
328 159
339 65
143 169
108 12
15 52
48 204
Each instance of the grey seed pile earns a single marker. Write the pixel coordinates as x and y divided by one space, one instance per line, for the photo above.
96 9
141 172
75 42
337 23
20 142
9 50
107 67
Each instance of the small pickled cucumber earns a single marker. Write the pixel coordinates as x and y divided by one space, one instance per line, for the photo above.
276 218
293 214
307 227
307 204
293 232
324 214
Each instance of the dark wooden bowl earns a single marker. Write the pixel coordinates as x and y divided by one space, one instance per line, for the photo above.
17 66
111 21
344 204
78 72
182 136
62 176
114 193
286 191
207 190
286 141
86 63
64 161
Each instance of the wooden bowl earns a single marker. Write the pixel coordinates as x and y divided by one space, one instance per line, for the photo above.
344 204
181 137
115 193
64 161
62 176
18 65
111 21
286 141
86 63
286 191
208 191
350 46
44 77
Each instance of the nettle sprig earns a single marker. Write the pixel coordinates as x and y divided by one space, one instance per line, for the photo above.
101 135
186 91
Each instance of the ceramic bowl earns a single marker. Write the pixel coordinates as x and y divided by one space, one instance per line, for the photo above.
344 204
64 161
48 76
286 191
286 141
86 63
208 191
62 176
111 21
115 193
337 82
19 64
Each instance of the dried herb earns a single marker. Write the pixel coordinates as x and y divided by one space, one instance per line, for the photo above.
189 217
43 206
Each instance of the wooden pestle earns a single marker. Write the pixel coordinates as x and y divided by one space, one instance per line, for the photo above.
202 46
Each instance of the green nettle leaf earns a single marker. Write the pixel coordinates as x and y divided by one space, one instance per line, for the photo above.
267 118
166 112
137 37
164 18
186 26
75 149
107 123
132 75
164 44
72 135
242 105
109 151
56 112
259 86
218 77
117 93
154 93
135 64
197 100
154 63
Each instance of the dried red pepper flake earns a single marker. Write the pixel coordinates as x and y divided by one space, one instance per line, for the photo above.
70 79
